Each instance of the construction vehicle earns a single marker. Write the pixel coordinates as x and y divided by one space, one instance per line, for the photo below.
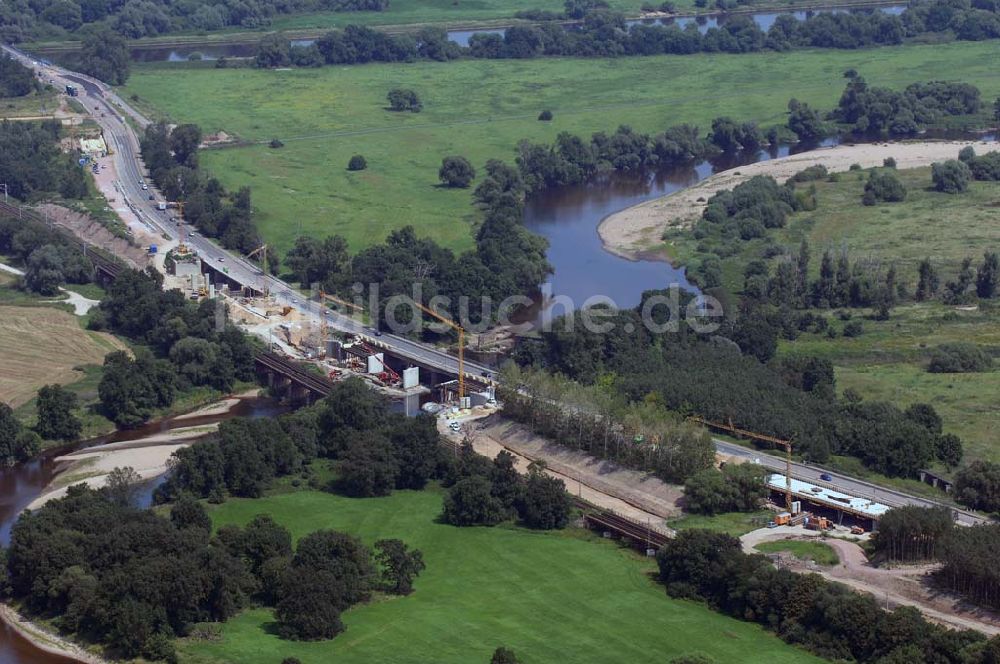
857 530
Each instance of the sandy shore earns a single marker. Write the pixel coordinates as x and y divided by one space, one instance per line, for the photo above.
636 230
218 407
45 640
147 456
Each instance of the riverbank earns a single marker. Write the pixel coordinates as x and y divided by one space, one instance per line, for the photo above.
45 640
636 232
298 28
148 457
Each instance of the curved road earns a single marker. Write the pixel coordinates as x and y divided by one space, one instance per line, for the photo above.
106 108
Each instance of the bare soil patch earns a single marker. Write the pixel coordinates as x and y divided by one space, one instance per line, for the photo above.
635 494
92 231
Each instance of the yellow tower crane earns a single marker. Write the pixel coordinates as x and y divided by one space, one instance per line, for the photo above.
461 347
787 444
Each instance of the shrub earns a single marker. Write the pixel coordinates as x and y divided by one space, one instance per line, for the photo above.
545 116
815 172
456 172
986 167
855 167
401 99
889 162
853 329
884 186
967 154
275 143
951 177
357 163
959 358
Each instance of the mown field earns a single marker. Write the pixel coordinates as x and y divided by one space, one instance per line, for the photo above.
560 596
481 110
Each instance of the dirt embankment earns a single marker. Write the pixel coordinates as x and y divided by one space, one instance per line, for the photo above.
633 232
89 229
631 493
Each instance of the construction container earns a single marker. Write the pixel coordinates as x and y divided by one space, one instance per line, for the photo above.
783 518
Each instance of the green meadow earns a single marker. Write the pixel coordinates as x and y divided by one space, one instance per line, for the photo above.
481 109
551 596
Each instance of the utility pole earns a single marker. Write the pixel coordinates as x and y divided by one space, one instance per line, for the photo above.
4 191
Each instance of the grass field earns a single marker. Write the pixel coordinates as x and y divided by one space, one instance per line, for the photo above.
552 597
40 104
732 523
481 110
888 361
818 552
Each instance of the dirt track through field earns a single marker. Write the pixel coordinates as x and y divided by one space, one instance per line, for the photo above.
41 346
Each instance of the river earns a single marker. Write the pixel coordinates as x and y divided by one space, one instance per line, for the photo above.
210 51
23 483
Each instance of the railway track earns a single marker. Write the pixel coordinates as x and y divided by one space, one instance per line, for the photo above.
103 262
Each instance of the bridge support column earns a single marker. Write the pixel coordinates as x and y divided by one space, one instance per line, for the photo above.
411 404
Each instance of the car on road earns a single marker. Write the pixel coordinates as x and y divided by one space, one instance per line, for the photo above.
152 197
221 258
455 426
826 477
145 187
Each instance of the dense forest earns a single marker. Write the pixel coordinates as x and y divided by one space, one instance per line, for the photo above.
183 344
16 80
33 166
133 580
21 20
172 159
604 33
828 618
730 376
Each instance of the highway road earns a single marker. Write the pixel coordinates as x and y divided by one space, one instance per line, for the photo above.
106 108
844 483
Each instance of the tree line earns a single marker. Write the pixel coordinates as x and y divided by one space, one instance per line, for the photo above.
16 80
604 33
22 20
133 580
918 534
373 451
171 155
595 419
824 617
181 345
507 260
49 258
33 166
730 376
